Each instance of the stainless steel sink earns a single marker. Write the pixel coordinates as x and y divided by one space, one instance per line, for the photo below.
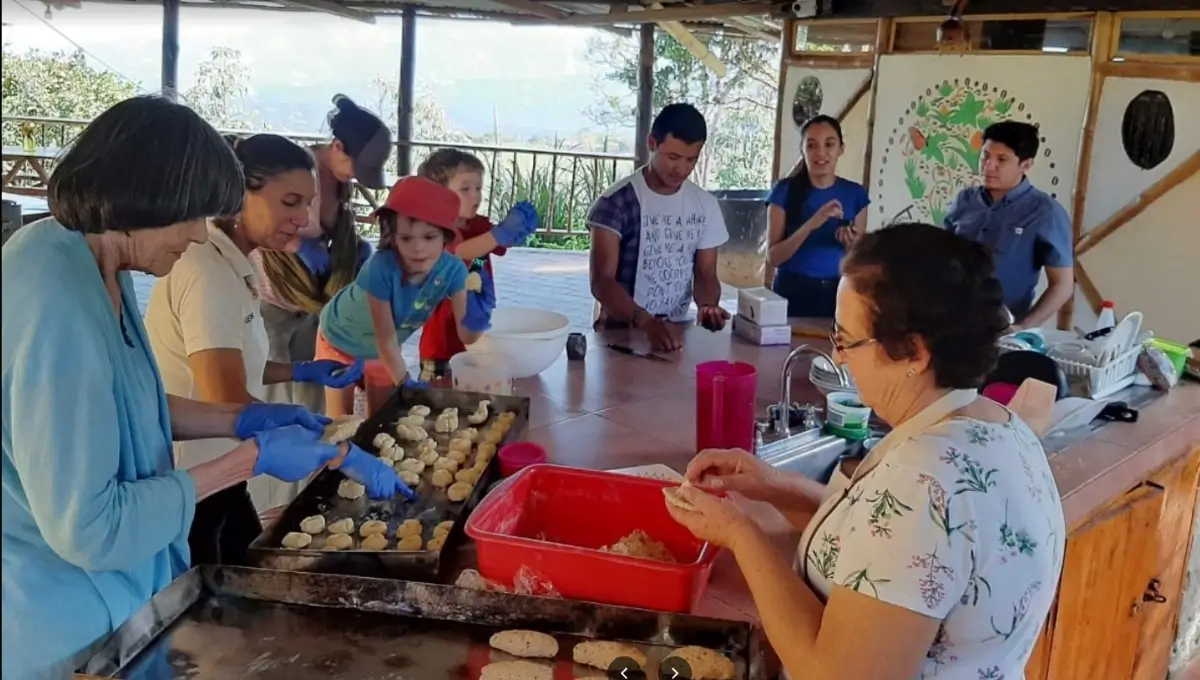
810 453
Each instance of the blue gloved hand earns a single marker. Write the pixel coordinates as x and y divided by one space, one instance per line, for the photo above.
480 305
521 222
258 417
412 382
291 453
328 372
381 480
314 253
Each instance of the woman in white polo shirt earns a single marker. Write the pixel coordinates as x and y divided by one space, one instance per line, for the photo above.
208 336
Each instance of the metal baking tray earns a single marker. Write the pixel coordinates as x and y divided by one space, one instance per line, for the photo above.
225 622
320 498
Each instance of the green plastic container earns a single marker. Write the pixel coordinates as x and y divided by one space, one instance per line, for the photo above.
1178 354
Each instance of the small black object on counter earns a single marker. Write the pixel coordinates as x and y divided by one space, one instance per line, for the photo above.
576 346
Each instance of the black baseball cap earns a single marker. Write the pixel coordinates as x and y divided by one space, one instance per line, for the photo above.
365 138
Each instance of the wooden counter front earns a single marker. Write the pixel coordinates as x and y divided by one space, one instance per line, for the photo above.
1128 491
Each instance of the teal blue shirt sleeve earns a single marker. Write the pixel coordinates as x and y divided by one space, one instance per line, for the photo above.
456 277
379 274
66 445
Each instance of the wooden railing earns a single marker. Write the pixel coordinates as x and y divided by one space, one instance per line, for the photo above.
561 183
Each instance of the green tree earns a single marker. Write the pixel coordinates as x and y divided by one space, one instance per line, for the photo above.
56 85
739 107
222 83
430 121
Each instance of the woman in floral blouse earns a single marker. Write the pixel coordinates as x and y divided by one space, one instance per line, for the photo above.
940 557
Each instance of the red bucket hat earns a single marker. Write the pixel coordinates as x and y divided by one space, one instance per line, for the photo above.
420 199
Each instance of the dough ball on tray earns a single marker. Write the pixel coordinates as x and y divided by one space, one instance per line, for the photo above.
313 524
297 540
525 643
409 543
351 490
705 663
459 491
602 653
442 478
372 527
516 670
338 542
409 527
342 526
374 542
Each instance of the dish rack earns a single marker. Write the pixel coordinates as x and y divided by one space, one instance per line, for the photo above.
1101 381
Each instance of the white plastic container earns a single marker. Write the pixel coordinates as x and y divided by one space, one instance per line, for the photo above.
845 410
481 372
762 306
1107 318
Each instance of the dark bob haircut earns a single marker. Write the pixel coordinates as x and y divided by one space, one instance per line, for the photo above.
681 121
146 162
265 156
924 282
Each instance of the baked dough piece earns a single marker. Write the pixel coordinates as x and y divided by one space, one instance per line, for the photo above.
413 465
372 527
458 456
459 491
392 452
419 410
409 543
412 420
602 653
351 490
516 670
428 456
341 429
383 439
409 477
480 414
508 416
525 643
374 542
492 435
460 444
705 663
442 478
436 542
409 527
443 528
411 433
485 451
313 524
297 540
468 476
672 497
446 463
474 282
338 542
342 526
447 421
468 433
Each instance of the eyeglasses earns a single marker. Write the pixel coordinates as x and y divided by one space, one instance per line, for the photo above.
842 348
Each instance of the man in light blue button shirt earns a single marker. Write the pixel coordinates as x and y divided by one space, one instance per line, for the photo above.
1025 227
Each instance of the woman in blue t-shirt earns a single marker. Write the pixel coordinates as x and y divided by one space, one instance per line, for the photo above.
813 216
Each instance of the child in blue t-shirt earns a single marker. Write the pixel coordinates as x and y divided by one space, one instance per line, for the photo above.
397 290
813 217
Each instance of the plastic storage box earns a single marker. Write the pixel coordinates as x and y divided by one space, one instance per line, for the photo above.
553 520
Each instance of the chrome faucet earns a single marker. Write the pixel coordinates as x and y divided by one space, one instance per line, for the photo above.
784 409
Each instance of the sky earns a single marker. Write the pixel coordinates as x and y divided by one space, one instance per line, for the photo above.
537 78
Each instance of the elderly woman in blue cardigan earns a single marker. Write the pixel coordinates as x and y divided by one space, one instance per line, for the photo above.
95 516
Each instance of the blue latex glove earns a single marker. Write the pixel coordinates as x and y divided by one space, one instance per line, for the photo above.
328 372
314 253
480 305
258 417
291 453
381 480
412 382
522 220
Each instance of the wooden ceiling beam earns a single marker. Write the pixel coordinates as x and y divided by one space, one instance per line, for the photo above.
912 8
537 9
330 7
681 13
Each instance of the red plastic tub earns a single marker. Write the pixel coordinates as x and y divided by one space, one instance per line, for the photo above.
518 456
552 521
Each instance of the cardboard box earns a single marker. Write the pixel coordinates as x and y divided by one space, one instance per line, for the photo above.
761 335
762 306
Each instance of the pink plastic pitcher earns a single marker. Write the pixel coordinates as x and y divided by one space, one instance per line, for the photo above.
725 394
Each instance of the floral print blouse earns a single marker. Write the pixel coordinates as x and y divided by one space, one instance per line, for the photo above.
961 522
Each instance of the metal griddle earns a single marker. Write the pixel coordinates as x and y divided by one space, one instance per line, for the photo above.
320 498
223 622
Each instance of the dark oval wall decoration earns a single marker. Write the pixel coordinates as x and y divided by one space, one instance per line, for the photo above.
1148 129
808 100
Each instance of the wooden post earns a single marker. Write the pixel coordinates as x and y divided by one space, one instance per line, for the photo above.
645 94
170 49
404 113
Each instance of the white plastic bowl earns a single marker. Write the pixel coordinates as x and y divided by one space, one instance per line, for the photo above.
530 340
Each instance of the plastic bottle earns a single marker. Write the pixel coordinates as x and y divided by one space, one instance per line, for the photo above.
1108 316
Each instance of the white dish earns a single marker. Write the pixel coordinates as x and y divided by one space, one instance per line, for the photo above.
530 340
528 324
1074 412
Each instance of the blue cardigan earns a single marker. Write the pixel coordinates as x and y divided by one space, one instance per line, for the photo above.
95 517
